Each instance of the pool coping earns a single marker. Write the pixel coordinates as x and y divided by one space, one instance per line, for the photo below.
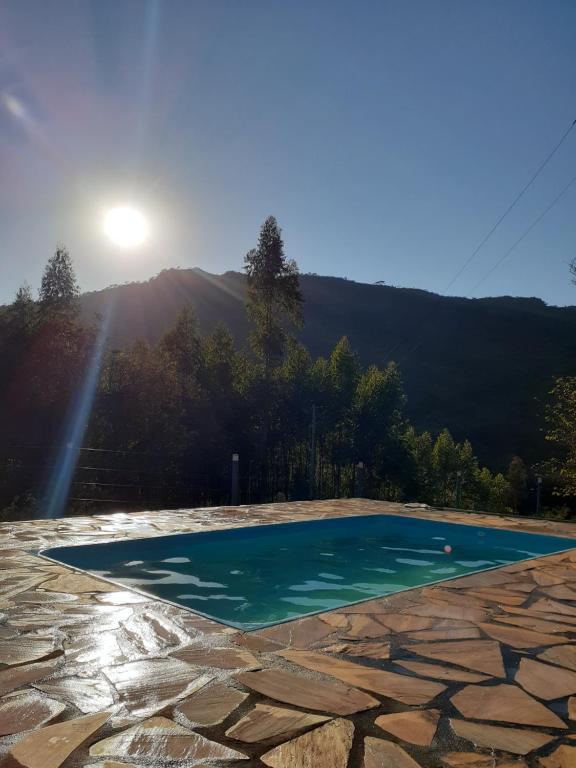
327 648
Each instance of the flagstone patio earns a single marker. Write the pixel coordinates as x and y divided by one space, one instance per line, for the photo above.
475 672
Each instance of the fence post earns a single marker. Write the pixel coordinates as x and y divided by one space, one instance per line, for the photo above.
538 494
234 490
312 463
359 484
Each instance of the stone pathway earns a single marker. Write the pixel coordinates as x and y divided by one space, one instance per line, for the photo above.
478 672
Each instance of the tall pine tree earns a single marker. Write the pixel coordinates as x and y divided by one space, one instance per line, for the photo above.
273 299
273 303
59 289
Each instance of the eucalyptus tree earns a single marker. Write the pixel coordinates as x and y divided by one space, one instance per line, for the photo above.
274 306
273 299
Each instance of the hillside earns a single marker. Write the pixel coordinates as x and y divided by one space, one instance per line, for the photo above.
481 367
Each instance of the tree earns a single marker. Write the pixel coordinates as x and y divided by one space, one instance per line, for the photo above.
561 418
23 301
273 302
422 479
379 427
182 344
181 348
445 456
222 381
21 316
273 297
177 409
492 492
59 289
45 355
517 478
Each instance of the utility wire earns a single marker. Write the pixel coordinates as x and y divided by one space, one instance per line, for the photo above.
512 205
495 226
526 232
495 266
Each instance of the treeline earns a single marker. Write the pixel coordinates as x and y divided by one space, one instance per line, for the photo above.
303 427
194 401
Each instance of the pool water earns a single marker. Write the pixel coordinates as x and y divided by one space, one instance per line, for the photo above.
257 576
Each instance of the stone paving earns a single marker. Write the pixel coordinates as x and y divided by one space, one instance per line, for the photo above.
476 672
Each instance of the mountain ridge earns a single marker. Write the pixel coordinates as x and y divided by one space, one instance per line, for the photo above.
481 367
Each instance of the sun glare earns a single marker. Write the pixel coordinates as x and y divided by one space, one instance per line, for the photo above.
125 226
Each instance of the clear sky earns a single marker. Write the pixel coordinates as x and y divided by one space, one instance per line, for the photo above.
386 137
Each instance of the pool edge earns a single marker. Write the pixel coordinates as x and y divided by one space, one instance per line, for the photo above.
301 616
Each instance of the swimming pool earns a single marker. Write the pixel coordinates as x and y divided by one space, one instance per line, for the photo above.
257 576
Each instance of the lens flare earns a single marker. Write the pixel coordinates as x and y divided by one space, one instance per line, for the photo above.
60 481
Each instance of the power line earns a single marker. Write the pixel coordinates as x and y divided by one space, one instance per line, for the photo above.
495 226
495 266
512 205
526 232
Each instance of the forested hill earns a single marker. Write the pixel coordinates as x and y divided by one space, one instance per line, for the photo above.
481 367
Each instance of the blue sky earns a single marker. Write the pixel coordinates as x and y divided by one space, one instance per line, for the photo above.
386 137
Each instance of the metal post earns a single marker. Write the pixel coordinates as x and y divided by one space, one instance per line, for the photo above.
312 466
359 484
538 494
458 489
235 491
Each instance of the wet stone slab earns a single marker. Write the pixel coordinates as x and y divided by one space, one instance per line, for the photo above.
545 681
16 677
88 695
88 653
267 722
516 637
21 650
149 634
49 747
367 650
433 635
299 634
438 672
479 655
563 656
212 704
41 598
122 598
327 746
504 703
417 727
417 677
76 583
536 623
144 687
25 710
380 753
364 626
221 658
515 740
161 739
309 694
402 688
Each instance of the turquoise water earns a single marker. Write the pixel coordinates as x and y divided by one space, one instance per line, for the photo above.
253 577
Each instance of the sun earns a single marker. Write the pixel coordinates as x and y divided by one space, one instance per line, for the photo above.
126 226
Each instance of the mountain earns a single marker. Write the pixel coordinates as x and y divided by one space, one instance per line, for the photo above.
481 367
